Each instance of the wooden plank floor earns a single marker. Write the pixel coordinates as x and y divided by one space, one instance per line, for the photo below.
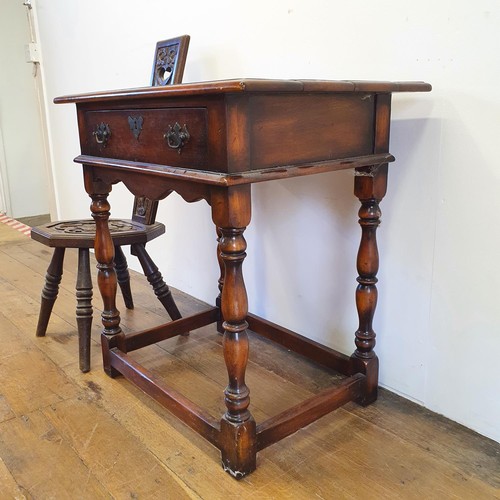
64 434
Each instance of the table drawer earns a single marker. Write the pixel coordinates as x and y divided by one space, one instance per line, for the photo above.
168 136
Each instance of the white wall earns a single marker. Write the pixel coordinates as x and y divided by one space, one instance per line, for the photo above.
24 171
436 320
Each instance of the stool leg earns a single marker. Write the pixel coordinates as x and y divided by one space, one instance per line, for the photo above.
123 277
50 290
84 308
152 273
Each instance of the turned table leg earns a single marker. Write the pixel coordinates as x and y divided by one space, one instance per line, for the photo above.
106 274
220 283
231 213
370 188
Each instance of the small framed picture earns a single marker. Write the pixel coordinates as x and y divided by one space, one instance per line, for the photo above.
169 61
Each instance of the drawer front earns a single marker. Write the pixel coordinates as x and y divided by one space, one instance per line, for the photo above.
175 137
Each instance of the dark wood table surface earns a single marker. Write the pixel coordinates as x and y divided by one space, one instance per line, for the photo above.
211 141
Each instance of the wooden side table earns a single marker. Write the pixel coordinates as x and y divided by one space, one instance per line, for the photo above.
212 141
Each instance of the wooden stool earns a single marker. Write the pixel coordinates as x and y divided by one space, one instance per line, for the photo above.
168 68
81 234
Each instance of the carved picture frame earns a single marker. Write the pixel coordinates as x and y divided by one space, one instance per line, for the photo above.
167 68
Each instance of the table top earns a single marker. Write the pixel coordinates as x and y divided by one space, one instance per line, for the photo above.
240 131
248 85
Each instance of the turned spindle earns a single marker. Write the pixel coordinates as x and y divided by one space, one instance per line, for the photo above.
231 213
50 290
106 274
84 308
155 279
220 283
370 187
123 276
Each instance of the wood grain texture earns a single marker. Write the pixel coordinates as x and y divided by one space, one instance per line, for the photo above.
8 486
246 85
400 449
308 129
126 472
40 460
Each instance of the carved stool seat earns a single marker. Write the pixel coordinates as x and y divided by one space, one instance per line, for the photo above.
81 233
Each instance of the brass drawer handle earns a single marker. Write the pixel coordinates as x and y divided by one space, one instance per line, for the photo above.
177 136
102 133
